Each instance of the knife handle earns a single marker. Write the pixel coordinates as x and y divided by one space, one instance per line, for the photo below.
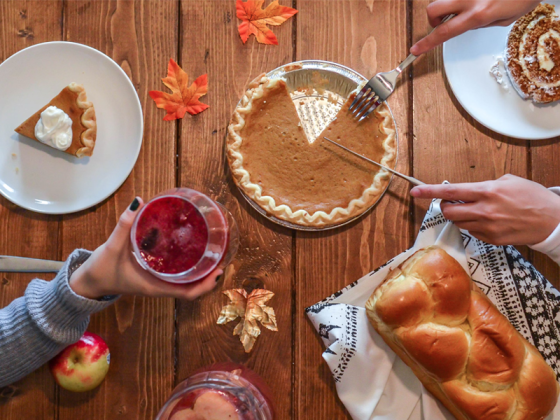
10 264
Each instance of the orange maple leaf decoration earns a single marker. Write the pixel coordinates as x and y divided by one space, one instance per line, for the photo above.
254 19
183 99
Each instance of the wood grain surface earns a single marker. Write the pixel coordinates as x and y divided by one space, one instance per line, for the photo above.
22 24
365 39
156 343
140 37
265 256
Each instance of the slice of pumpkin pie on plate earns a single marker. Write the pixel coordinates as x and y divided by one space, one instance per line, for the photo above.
67 123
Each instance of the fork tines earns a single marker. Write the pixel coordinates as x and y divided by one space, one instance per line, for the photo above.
364 103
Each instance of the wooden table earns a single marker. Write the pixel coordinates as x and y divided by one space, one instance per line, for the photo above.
155 343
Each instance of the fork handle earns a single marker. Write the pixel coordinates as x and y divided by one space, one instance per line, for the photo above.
408 60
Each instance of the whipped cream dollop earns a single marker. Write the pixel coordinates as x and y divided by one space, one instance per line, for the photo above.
54 128
498 70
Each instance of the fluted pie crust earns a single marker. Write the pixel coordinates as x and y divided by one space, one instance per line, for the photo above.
308 184
73 101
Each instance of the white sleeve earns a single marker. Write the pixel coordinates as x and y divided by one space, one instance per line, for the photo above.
551 245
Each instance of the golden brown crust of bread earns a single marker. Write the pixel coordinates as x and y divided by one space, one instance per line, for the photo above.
469 356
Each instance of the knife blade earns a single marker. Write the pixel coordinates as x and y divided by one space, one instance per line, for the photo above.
9 264
410 179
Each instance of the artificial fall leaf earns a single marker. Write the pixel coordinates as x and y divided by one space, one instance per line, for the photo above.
184 98
254 19
250 309
236 308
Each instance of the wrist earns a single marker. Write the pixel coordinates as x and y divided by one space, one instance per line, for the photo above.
85 285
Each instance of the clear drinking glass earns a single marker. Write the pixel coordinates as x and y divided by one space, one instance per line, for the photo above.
181 236
236 394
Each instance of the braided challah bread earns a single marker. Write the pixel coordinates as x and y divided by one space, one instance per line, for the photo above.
458 344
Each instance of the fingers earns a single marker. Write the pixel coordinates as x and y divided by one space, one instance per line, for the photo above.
202 287
501 22
437 10
468 192
450 29
161 288
461 212
121 233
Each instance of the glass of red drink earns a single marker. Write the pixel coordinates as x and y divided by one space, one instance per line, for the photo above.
182 235
219 393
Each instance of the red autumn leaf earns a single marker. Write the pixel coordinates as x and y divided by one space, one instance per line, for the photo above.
184 98
254 19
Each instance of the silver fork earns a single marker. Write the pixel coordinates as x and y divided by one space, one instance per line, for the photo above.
380 87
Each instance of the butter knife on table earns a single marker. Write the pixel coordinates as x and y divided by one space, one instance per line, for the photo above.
10 264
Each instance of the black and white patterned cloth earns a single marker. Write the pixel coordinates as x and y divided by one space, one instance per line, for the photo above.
373 383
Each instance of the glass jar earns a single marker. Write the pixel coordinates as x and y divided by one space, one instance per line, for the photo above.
219 394
182 235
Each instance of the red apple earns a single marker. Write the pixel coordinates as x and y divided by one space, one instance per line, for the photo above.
82 366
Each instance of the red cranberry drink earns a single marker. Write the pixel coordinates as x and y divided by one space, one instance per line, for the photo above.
182 235
220 393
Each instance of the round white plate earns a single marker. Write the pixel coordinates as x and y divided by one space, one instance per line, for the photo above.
467 60
40 178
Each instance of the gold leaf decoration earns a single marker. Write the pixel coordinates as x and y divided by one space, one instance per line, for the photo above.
251 309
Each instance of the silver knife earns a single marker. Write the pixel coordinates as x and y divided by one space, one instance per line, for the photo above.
410 179
10 264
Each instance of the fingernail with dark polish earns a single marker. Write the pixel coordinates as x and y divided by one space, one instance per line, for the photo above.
220 277
134 205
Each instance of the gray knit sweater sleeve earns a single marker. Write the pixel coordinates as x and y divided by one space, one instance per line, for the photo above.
49 317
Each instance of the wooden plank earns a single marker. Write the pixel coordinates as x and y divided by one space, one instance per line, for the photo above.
544 164
367 36
141 37
24 233
211 44
449 144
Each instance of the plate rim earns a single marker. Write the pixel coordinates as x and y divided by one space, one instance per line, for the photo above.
138 106
303 228
461 102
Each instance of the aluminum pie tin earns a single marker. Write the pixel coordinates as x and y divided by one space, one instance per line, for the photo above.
316 109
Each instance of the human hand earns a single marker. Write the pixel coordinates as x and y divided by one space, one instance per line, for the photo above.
112 269
471 14
508 211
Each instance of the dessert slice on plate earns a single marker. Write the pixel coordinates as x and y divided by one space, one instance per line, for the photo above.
67 123
533 55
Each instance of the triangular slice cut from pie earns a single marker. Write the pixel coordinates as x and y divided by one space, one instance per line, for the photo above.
67 123
307 183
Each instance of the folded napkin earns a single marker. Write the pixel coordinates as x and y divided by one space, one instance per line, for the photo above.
371 381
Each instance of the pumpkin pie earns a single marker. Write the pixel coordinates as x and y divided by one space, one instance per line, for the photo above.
307 183
68 114
533 55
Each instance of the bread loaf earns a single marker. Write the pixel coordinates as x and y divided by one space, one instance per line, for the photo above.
458 344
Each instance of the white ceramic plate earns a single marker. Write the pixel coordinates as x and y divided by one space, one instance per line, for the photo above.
467 60
40 178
